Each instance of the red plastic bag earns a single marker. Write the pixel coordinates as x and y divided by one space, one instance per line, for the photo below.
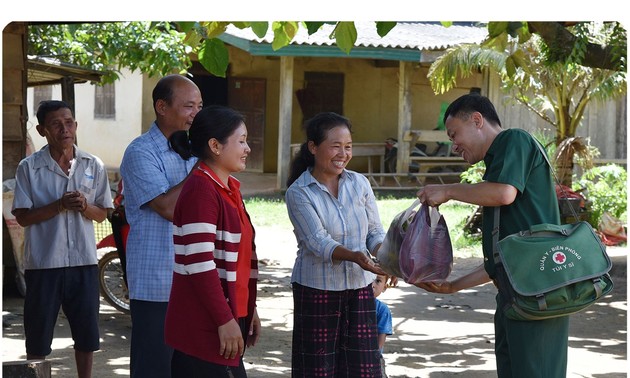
426 253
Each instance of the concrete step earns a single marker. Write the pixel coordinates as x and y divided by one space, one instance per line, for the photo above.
26 369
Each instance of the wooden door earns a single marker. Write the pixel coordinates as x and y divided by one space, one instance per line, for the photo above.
14 84
247 95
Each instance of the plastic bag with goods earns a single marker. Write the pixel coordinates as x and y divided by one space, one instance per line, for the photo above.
426 252
388 254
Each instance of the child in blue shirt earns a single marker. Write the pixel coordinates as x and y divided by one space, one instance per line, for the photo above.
383 316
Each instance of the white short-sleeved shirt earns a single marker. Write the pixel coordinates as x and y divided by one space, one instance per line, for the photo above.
67 239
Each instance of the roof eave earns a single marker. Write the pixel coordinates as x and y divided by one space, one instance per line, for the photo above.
41 72
322 51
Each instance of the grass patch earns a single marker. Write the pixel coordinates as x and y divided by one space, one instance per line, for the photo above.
270 211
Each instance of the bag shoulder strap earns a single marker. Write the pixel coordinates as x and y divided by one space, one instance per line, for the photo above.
497 209
495 235
553 172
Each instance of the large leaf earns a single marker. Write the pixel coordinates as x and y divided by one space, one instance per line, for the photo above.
215 29
498 42
514 28
510 67
523 33
241 24
382 28
497 28
185 26
345 34
260 28
283 33
193 36
313 26
213 55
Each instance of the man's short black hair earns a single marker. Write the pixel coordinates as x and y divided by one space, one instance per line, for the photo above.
49 106
472 102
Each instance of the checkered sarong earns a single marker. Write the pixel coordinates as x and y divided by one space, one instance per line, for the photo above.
334 333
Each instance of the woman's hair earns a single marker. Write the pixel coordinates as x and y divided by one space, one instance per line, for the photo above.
316 131
214 121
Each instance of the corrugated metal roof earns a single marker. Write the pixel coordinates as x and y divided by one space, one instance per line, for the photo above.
49 71
417 36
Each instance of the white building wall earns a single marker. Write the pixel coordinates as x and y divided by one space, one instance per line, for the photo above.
105 138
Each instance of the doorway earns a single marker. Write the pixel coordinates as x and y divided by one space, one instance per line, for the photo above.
247 95
213 88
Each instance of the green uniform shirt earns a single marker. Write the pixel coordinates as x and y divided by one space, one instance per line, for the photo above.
515 159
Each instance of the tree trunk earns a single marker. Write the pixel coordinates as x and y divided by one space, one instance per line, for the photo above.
564 172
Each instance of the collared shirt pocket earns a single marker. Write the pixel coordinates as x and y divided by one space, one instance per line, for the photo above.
87 185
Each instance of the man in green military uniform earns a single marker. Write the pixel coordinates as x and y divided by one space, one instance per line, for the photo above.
519 181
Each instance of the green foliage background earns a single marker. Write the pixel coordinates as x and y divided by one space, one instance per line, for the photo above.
607 188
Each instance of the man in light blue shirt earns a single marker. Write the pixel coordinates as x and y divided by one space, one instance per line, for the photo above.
60 191
153 176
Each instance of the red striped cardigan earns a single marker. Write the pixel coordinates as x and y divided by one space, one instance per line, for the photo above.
206 233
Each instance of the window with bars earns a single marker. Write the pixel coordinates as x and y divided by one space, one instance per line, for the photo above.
105 101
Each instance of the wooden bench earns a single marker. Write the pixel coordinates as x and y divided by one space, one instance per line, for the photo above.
411 180
427 162
406 181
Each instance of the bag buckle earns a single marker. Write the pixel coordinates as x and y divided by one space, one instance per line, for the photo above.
597 286
542 303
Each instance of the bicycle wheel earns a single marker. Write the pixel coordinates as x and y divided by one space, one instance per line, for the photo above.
112 283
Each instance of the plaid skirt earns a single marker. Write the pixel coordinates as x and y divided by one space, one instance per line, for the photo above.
334 333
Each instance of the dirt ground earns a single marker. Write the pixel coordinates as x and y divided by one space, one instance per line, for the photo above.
435 335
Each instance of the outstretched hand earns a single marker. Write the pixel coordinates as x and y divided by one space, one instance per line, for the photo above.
475 277
441 287
393 281
366 263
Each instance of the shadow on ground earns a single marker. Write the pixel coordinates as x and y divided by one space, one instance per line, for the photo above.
435 335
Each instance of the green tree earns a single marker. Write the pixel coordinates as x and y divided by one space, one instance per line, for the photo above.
150 47
555 86
163 47
554 68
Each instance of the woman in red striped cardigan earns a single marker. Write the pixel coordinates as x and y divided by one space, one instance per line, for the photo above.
211 314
